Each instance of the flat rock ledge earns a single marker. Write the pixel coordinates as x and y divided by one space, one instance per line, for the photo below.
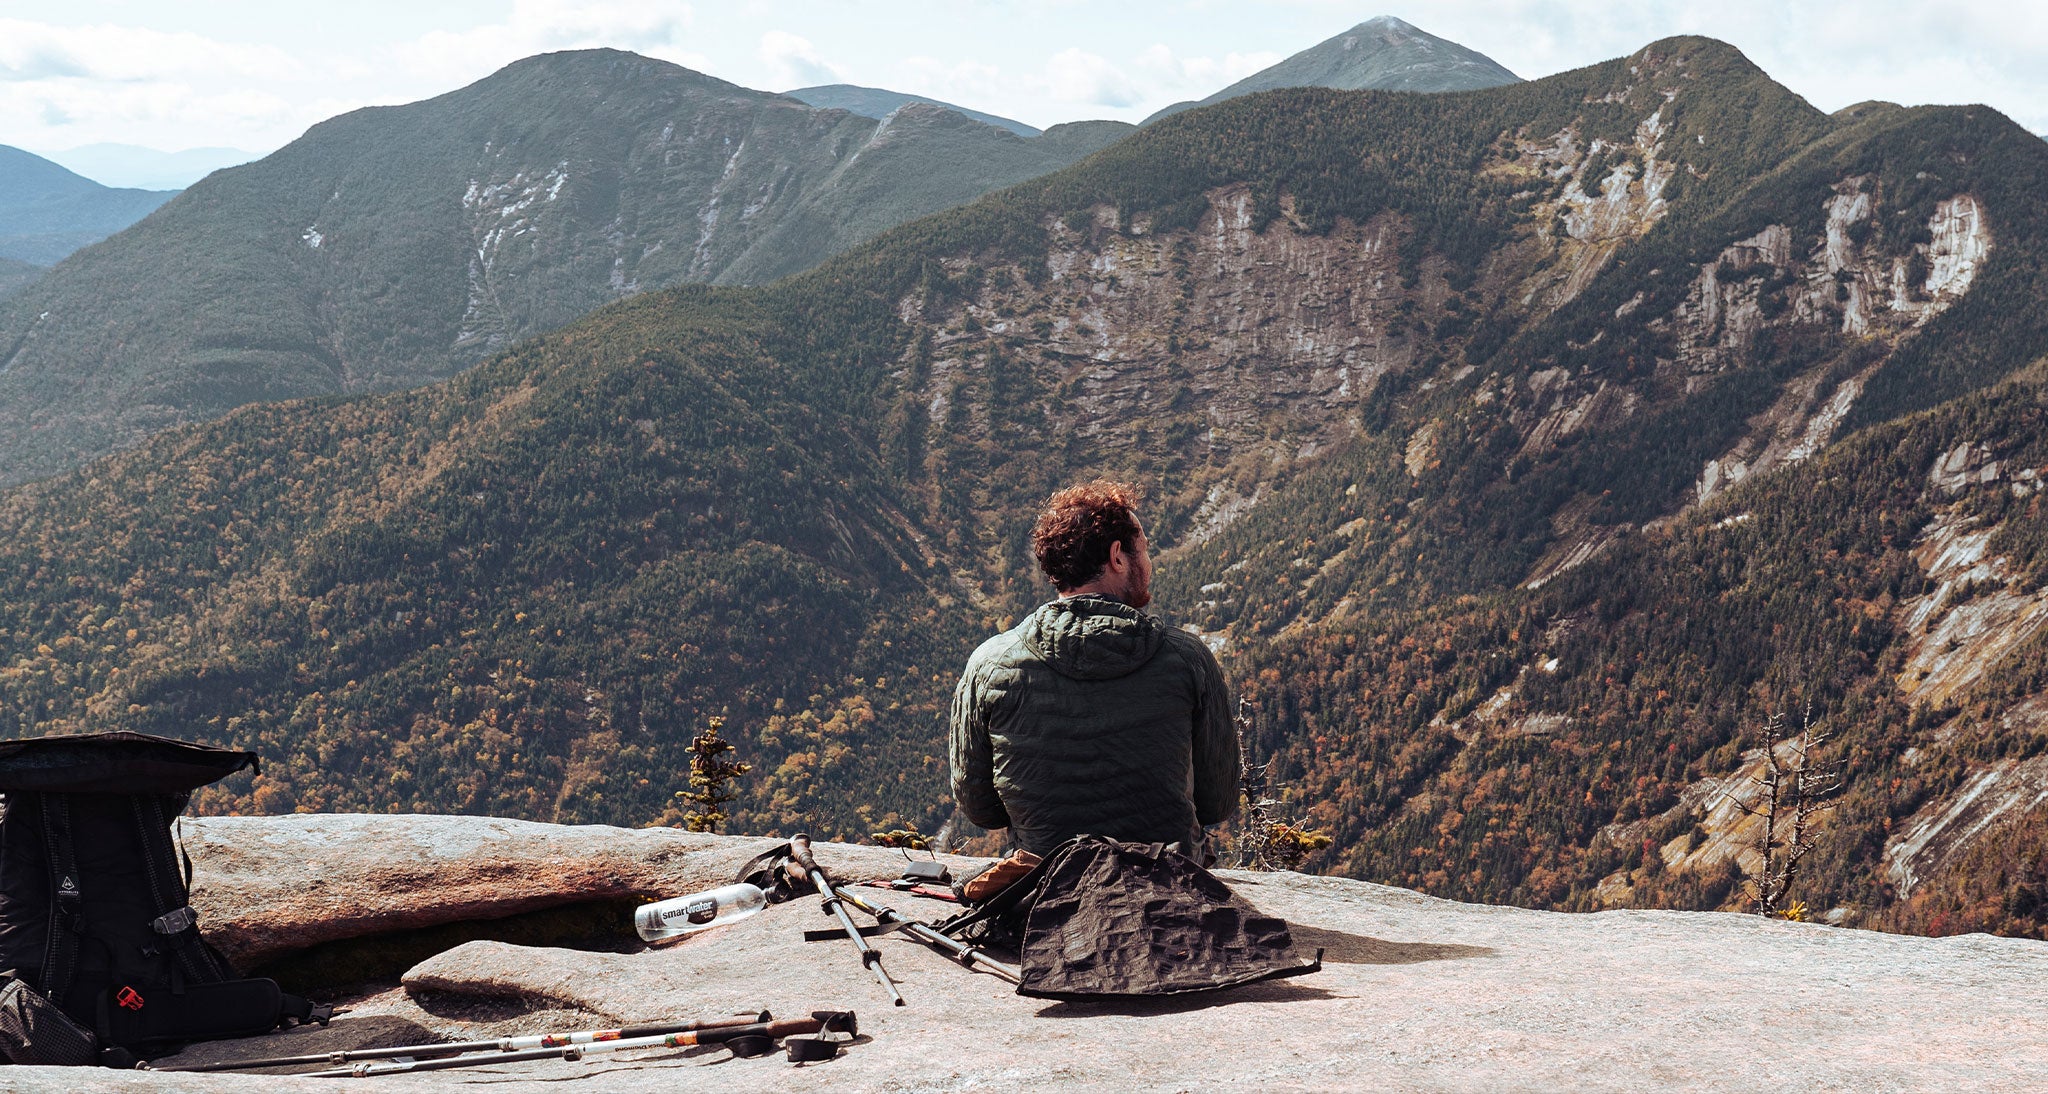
1416 994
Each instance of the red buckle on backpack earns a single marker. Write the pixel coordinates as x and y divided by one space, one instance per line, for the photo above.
129 998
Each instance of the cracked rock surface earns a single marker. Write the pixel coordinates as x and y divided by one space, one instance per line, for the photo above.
1416 993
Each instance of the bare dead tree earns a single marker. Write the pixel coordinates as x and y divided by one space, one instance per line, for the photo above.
1792 791
1255 817
1264 839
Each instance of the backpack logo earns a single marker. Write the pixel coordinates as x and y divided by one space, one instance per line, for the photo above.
129 998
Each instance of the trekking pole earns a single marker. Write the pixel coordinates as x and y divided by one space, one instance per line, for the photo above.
958 950
800 850
503 1044
836 1021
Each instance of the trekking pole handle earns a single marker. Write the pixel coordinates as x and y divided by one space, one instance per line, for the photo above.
800 853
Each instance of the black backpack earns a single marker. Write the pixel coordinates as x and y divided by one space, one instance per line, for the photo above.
100 954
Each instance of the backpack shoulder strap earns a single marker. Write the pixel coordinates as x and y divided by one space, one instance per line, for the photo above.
67 900
176 926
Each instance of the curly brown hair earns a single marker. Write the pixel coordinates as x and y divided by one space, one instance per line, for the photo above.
1073 534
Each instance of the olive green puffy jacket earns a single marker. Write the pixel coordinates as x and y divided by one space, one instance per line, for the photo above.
1092 717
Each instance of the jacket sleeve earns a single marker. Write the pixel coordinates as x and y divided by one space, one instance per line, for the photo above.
1216 760
972 757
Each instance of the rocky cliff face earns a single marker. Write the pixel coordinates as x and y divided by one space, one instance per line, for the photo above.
1877 293
1250 346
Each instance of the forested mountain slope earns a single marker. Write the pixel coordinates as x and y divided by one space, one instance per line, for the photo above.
15 276
1496 439
396 245
47 212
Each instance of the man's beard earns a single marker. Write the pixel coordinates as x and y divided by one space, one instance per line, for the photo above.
1137 590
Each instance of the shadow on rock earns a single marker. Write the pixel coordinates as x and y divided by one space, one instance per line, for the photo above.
1266 991
463 1007
343 1035
1341 948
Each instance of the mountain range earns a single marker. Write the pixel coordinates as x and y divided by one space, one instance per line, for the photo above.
394 246
47 212
1528 453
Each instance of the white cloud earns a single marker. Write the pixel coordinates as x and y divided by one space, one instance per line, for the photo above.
1076 76
1199 77
32 52
1097 85
68 85
963 82
542 26
77 111
794 62
626 24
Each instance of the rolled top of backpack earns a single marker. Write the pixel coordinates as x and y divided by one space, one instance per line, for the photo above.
115 763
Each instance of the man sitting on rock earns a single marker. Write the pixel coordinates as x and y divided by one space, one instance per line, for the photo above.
1091 716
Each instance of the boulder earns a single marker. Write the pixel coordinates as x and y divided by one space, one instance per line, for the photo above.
268 887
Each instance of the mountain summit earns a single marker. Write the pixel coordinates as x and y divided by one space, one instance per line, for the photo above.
1383 54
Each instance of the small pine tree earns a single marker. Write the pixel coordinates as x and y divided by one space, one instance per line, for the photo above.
711 776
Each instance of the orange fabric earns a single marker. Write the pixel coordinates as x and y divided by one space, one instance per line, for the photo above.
998 877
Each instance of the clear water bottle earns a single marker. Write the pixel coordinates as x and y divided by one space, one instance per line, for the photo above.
678 916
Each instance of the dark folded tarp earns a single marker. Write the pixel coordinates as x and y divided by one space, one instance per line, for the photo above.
114 763
1103 918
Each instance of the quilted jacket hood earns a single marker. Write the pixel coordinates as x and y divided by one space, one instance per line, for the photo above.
1092 637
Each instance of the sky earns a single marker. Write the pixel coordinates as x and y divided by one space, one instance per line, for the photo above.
254 75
